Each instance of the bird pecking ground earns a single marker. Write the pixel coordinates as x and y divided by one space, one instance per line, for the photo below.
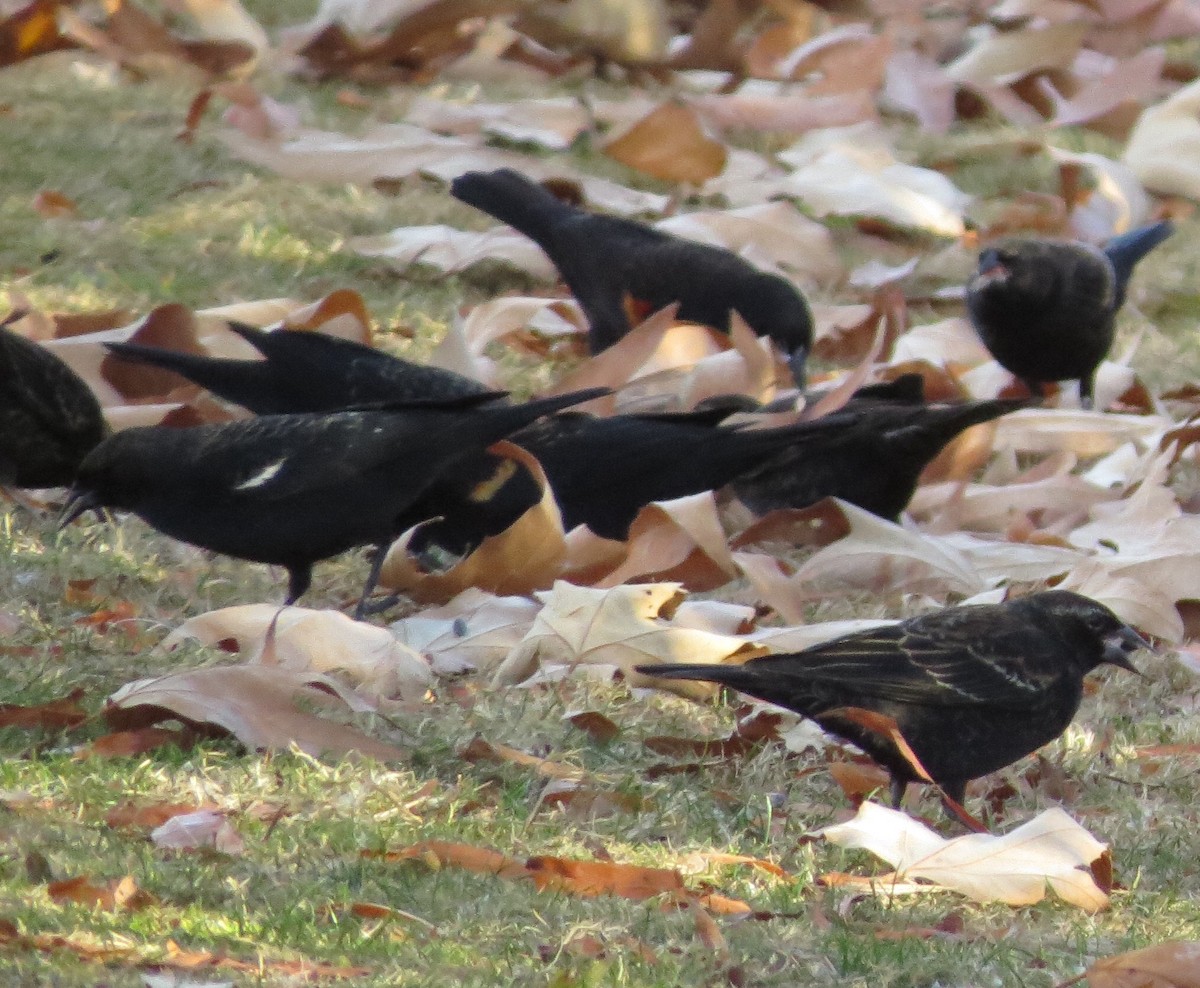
162 221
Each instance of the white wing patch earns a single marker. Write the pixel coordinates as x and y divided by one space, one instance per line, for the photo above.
264 475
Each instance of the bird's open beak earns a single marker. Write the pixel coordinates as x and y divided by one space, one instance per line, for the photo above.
77 503
1120 644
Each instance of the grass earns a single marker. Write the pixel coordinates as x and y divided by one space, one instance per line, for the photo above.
163 221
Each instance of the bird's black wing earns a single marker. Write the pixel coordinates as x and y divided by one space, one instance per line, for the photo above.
967 658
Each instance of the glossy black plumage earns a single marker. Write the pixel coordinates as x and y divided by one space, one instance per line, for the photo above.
305 372
603 259
294 489
1046 309
870 453
971 689
49 418
604 470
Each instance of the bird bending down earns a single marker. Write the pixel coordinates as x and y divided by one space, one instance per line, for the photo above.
605 259
1046 309
291 490
49 418
970 688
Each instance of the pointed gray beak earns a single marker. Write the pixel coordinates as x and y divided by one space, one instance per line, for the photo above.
1119 645
77 503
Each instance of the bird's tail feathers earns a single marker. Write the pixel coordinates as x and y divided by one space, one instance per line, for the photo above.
728 675
512 198
1126 250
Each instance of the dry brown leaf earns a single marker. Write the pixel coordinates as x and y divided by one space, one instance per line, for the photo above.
147 815
258 705
120 893
670 143
126 744
1174 964
1164 146
480 750
30 31
1050 851
675 541
526 556
54 715
621 627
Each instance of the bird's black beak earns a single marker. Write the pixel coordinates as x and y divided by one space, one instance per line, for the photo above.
798 364
77 503
1119 644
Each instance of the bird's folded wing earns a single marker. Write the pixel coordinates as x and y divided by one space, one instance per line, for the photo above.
939 670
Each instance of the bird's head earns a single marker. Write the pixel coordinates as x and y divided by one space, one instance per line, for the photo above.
108 477
1102 635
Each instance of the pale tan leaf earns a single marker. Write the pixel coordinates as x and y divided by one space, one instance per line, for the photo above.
1051 850
449 250
474 631
317 641
852 171
622 627
202 828
1164 146
258 705
1003 57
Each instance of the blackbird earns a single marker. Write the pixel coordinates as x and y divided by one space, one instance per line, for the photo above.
295 489
49 418
1046 309
304 372
605 259
871 454
970 688
604 470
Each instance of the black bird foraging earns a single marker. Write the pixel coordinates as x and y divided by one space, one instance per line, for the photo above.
49 418
305 372
604 259
971 688
1046 309
292 490
871 454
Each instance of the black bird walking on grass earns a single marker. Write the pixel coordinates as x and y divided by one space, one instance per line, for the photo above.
49 418
292 490
304 371
871 453
971 688
605 259
1046 309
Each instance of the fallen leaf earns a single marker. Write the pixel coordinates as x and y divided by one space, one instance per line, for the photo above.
120 893
621 627
1173 964
55 715
201 828
258 705
1051 850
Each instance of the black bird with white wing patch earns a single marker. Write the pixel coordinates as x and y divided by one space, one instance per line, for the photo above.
295 489
970 688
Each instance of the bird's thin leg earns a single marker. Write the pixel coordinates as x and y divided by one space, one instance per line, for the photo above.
1086 385
1035 388
898 787
299 580
363 608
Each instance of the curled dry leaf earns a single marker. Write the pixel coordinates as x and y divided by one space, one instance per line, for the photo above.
852 171
120 893
449 250
258 705
307 640
670 143
1051 850
622 627
1174 964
